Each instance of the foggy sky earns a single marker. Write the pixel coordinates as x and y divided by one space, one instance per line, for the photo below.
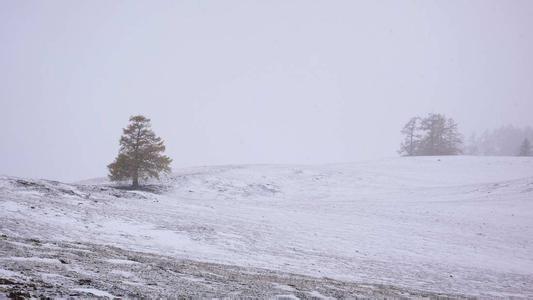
229 82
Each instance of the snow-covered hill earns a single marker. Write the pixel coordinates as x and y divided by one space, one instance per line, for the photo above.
456 225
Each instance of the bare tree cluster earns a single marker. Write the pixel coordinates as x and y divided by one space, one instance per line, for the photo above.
432 135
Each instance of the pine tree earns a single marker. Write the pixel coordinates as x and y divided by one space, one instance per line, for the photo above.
525 148
452 139
411 136
433 126
140 155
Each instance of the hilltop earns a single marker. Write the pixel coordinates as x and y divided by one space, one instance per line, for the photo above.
415 227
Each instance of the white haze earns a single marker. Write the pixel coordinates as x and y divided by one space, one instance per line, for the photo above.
228 82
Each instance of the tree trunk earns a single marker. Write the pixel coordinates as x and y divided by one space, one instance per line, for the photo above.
135 183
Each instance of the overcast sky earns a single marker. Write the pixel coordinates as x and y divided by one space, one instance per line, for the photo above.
230 82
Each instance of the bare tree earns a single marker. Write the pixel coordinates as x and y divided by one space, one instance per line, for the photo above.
411 136
140 155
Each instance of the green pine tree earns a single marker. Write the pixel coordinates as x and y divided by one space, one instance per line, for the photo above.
140 155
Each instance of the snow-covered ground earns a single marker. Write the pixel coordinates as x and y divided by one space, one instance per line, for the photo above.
456 225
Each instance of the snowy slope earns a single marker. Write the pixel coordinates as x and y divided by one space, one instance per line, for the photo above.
443 224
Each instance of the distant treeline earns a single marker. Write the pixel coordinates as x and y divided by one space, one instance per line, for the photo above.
506 140
438 135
